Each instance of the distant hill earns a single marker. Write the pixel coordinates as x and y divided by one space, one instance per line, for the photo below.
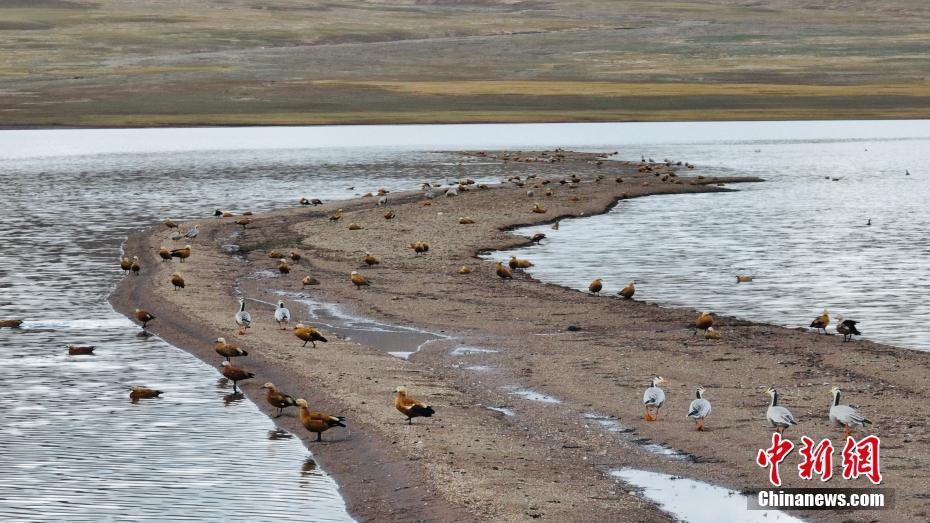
252 62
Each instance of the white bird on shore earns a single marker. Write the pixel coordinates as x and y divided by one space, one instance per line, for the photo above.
382 201
452 191
192 232
846 416
780 417
282 315
243 318
699 409
654 398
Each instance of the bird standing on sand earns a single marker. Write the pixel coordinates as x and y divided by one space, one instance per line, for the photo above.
143 316
165 254
846 327
411 407
169 223
177 280
243 318
503 272
711 334
780 417
628 291
699 409
227 350
371 259
358 279
278 399
137 393
318 422
192 233
654 398
136 265
125 264
308 334
295 256
539 209
243 222
821 322
704 321
182 254
389 215
595 286
845 416
282 315
235 374
283 267
419 247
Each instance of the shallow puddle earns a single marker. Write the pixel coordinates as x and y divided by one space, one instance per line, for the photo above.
466 350
398 341
695 501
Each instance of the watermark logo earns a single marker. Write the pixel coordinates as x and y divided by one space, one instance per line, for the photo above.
860 458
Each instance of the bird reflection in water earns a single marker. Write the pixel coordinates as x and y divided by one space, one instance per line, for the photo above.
277 434
232 398
309 469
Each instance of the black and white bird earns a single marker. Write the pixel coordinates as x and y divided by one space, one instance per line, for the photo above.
192 232
243 318
654 398
780 417
282 315
699 409
845 416
847 328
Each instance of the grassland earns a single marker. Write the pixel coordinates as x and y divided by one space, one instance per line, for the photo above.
249 62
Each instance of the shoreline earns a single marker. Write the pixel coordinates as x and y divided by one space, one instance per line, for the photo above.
619 344
341 122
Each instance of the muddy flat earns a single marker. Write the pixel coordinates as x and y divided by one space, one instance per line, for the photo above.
537 388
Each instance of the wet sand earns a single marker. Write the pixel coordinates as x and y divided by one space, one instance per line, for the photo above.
552 458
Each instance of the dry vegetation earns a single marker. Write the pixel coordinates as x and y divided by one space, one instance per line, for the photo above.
113 63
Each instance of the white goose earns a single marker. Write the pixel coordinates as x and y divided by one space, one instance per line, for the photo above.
699 409
282 315
654 398
780 417
243 318
846 416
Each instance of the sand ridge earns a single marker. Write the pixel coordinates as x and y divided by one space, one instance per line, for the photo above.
549 460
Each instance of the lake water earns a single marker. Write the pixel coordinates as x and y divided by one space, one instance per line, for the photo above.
75 448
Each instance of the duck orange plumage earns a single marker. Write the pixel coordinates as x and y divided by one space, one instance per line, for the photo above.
235 374
318 422
228 350
278 399
137 393
503 272
77 350
308 334
628 291
182 254
358 280
411 407
143 316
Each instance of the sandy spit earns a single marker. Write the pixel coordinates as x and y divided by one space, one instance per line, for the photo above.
548 460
